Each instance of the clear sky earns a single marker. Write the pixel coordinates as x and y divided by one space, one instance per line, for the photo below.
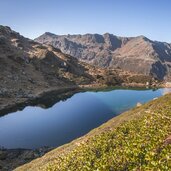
32 18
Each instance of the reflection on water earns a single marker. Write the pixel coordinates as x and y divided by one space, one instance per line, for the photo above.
36 127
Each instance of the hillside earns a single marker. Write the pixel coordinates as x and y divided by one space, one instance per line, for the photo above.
139 55
139 139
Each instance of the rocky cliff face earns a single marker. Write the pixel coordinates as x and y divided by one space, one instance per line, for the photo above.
135 54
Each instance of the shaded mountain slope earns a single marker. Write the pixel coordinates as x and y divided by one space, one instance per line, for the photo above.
135 54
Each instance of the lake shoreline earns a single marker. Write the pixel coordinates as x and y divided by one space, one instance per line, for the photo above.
9 105
12 158
44 99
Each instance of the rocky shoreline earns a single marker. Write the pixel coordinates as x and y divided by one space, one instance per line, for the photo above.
12 158
47 98
44 99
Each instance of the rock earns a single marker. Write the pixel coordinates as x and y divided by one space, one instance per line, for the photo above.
168 84
139 104
13 158
167 140
147 84
2 40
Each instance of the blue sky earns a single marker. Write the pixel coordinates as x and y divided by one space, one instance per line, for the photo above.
32 18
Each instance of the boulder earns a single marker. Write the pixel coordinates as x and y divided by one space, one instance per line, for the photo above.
139 104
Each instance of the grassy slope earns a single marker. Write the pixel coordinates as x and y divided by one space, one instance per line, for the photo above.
134 140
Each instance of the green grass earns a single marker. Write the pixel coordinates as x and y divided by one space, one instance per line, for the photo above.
134 140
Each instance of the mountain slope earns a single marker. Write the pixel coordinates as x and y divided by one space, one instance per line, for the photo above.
135 54
135 140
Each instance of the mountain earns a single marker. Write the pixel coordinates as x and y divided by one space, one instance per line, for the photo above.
139 55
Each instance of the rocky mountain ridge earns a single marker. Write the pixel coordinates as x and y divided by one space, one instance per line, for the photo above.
139 55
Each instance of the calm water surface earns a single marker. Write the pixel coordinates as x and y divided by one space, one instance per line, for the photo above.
36 127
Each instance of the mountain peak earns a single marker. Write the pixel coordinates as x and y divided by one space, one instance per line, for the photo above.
5 28
49 34
143 37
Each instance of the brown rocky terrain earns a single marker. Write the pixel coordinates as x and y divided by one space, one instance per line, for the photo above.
134 54
10 159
